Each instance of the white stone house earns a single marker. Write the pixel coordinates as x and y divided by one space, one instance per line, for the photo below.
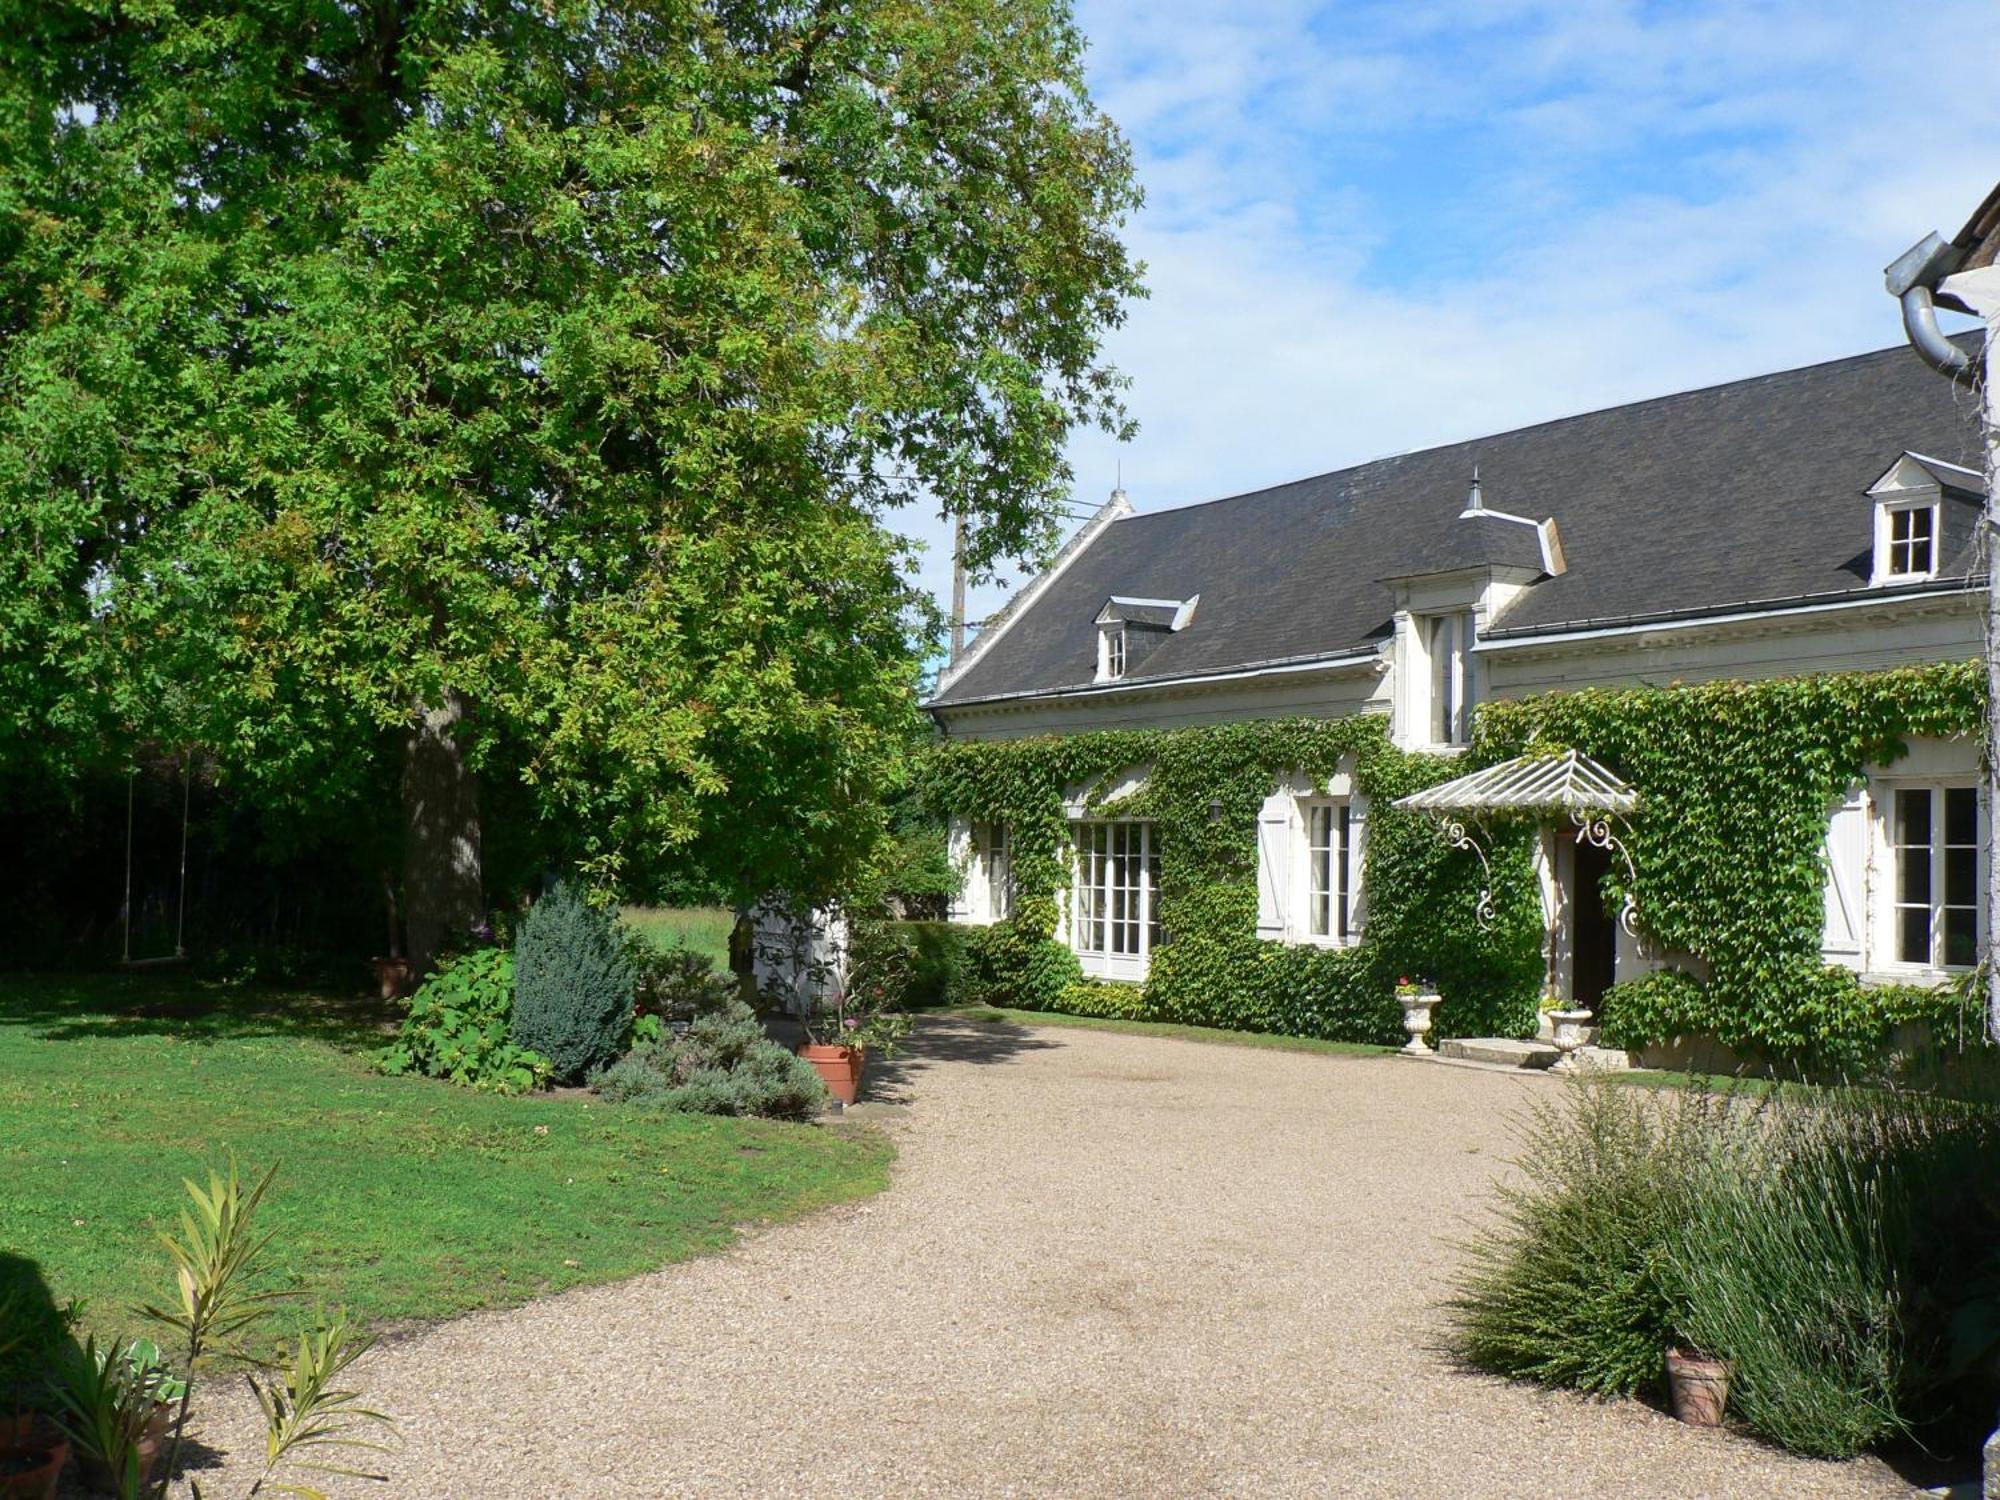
1814 520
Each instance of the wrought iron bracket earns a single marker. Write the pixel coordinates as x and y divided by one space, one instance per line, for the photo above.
1459 837
1597 830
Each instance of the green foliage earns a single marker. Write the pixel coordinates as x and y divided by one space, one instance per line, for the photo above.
566 359
1103 998
1008 964
1832 1254
573 984
405 1198
1737 780
723 1065
1570 1287
1711 761
938 959
460 1028
1213 969
673 983
1849 1029
1832 1246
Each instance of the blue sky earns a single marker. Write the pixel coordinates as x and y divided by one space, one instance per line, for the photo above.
1379 226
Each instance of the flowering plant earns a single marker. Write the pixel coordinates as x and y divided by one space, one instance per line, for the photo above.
861 1011
1408 988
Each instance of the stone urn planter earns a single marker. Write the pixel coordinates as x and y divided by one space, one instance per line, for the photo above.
1568 1028
838 1067
1699 1387
1417 1010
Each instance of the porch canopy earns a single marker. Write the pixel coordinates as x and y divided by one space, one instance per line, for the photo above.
1569 783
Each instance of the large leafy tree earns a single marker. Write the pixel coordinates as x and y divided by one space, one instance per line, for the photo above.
510 392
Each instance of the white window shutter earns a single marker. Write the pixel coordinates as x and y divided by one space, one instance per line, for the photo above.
1846 881
958 847
1274 866
1356 855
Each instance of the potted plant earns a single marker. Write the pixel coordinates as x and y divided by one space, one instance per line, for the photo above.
33 1450
1418 999
850 1020
1699 1385
118 1406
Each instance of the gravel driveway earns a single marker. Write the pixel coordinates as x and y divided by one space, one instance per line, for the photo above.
1109 1265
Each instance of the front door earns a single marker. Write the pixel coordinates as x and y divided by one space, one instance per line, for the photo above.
1593 934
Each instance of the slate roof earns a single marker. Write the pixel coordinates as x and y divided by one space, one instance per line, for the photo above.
1707 501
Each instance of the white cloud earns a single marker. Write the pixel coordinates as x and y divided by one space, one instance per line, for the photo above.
1375 227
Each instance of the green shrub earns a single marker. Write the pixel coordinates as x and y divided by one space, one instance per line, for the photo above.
723 1065
1006 965
1105 998
938 959
1837 1247
460 1028
1839 1028
1833 1256
1569 1288
674 982
573 984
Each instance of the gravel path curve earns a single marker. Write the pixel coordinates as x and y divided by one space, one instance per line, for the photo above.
1109 1265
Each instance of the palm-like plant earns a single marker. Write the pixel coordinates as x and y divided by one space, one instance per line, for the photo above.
109 1399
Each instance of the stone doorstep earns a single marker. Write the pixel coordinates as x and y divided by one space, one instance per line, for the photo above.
1504 1052
1499 1050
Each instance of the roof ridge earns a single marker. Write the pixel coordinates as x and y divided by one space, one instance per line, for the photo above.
1508 432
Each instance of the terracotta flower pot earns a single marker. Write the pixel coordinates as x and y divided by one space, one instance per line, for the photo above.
1700 1387
31 1461
394 977
838 1067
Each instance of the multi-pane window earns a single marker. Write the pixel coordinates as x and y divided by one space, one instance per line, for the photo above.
1114 900
995 867
1934 840
1114 652
1329 830
1448 644
1912 542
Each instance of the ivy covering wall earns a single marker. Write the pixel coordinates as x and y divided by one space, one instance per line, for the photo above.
1203 790
1736 779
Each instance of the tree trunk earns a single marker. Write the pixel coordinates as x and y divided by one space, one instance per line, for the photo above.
442 899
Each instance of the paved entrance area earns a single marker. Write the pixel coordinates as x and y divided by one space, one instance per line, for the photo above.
1108 1266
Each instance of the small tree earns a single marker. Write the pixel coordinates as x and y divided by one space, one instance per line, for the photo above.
573 985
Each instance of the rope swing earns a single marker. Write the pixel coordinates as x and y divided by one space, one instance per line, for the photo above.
179 955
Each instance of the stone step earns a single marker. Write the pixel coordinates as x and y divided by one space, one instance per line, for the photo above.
1499 1050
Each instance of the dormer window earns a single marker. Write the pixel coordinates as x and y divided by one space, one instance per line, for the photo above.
1448 641
1111 654
1906 541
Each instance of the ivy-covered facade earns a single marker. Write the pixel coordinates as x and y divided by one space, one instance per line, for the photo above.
1173 763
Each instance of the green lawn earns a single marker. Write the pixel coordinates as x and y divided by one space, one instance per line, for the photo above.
700 929
1172 1029
401 1198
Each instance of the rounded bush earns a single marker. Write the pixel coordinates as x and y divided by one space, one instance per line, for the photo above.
573 985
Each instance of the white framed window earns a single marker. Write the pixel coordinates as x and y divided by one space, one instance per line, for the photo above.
1329 899
1450 687
995 869
1906 541
1933 848
1111 653
1114 914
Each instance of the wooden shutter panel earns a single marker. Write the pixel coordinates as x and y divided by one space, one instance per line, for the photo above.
1274 866
958 846
1356 855
1846 881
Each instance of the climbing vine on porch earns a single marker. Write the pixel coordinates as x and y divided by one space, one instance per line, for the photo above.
1203 789
1738 779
